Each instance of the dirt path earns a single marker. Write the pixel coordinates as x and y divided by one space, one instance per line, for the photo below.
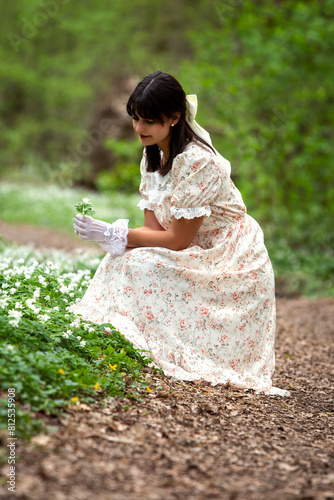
191 442
40 237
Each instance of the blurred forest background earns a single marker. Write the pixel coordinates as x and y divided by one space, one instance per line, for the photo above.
263 72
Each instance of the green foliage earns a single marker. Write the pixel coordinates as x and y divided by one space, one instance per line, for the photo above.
49 355
125 176
303 270
58 58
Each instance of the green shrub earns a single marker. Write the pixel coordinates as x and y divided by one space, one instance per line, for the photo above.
124 177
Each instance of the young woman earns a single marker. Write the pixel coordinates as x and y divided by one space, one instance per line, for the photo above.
194 286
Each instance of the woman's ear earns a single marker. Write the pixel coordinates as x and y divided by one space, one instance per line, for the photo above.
176 117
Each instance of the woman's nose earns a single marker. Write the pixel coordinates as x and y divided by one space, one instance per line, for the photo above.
139 126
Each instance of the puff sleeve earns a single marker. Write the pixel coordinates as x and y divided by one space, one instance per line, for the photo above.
200 177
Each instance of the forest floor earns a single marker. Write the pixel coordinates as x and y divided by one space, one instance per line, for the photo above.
190 441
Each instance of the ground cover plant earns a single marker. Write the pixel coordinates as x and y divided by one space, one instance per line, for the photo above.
52 357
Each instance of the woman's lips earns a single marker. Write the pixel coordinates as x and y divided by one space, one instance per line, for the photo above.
143 136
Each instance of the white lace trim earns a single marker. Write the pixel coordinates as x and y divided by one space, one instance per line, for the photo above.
145 204
190 213
158 187
116 237
160 181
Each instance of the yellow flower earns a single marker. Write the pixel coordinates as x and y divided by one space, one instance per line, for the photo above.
61 371
97 387
75 399
113 367
123 374
148 389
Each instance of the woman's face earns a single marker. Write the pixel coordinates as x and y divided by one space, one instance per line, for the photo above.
153 132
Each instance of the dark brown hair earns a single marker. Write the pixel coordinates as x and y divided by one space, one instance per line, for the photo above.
157 96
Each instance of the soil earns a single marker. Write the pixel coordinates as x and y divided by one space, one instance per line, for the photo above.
42 237
192 441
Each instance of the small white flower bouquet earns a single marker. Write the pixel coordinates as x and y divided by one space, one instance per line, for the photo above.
85 208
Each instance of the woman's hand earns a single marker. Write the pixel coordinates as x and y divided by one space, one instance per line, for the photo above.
91 229
111 237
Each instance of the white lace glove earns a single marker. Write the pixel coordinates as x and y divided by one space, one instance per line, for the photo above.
111 237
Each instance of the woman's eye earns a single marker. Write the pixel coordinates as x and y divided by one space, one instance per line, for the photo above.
150 122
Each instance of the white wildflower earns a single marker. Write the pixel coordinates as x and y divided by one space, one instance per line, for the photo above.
4 285
107 329
43 317
85 200
17 284
47 297
30 303
78 337
10 347
20 261
19 305
56 308
82 343
3 303
91 329
14 322
13 290
13 313
75 323
37 293
65 335
51 265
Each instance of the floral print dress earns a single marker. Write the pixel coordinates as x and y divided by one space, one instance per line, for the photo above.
206 312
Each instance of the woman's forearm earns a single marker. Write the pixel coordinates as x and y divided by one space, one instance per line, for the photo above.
143 228
146 237
178 237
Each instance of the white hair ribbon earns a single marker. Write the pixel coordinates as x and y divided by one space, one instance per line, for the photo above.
191 110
